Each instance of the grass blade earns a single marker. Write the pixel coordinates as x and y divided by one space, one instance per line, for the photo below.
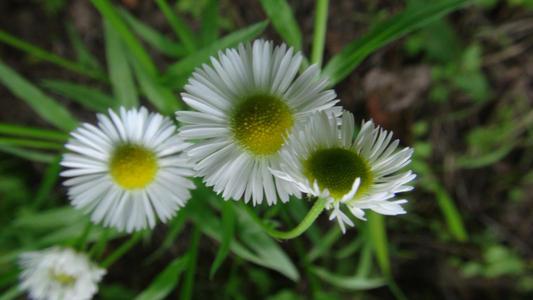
22 131
378 236
228 225
178 26
354 283
32 155
280 14
319 34
342 64
50 57
90 98
50 177
153 37
166 281
43 105
160 96
119 69
184 67
85 57
210 19
192 255
27 143
110 14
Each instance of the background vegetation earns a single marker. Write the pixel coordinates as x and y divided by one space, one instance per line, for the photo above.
458 88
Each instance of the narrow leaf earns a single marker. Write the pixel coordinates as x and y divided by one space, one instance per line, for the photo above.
378 236
342 64
184 67
153 37
90 98
165 282
85 57
280 14
354 283
178 26
119 69
210 22
111 15
32 155
50 57
23 131
44 106
228 226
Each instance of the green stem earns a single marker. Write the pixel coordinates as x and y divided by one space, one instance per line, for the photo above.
50 57
307 221
319 34
120 251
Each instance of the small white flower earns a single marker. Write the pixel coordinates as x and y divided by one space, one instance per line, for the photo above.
59 274
324 159
245 104
128 170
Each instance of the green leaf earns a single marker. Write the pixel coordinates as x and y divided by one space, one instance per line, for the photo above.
178 26
110 14
50 177
256 246
30 143
43 105
90 98
160 96
342 64
210 22
85 57
119 69
50 57
153 37
378 236
192 256
32 155
267 250
446 204
186 66
319 34
280 14
228 226
166 281
38 133
355 283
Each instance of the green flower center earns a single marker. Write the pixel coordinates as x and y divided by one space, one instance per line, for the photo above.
260 124
133 166
336 169
62 278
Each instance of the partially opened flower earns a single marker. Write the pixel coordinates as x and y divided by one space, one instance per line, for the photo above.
324 159
245 104
59 273
129 170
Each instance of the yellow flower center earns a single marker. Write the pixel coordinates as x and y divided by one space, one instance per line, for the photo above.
62 278
133 166
336 169
260 124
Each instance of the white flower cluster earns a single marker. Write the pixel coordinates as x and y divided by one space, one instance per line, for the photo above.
259 130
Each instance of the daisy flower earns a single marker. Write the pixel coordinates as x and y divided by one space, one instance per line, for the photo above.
325 159
245 103
59 273
128 170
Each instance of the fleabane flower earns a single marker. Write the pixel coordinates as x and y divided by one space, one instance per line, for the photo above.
245 103
59 273
129 170
325 159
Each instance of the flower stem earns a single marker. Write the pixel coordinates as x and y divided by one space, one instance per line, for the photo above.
319 34
307 221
